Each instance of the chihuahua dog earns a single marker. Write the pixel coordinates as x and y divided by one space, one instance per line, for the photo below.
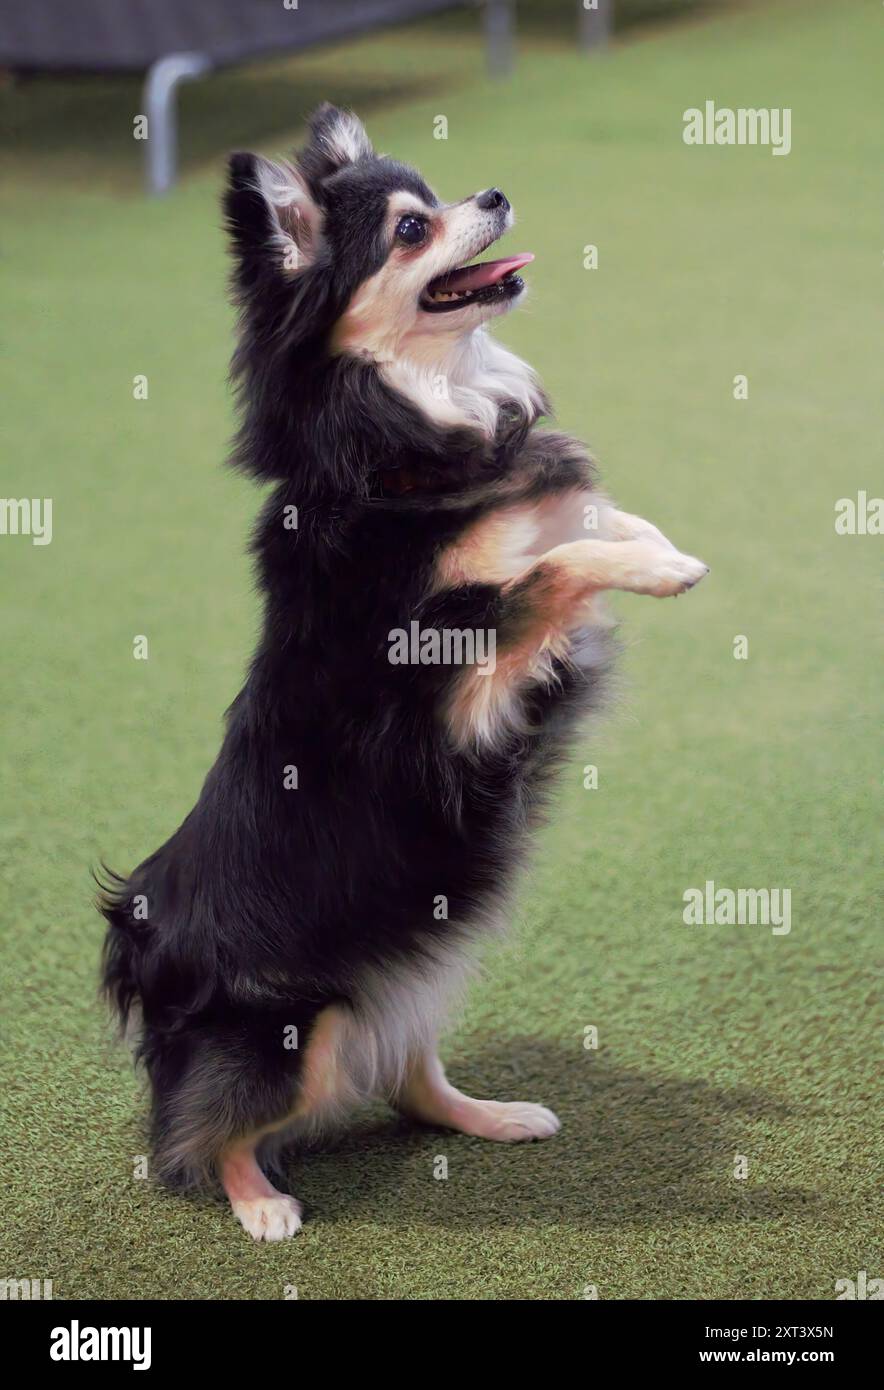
295 946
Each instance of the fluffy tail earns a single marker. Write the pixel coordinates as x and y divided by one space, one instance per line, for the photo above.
119 959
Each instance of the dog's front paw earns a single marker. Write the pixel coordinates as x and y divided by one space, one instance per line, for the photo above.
668 572
269 1218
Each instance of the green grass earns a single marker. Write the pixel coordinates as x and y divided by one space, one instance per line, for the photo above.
714 1041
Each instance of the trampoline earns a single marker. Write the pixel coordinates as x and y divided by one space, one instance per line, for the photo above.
175 41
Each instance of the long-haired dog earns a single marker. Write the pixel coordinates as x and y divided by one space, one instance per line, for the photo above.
431 561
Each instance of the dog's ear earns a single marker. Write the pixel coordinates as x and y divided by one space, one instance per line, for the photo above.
273 222
337 138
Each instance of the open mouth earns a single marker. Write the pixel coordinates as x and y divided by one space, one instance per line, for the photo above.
475 284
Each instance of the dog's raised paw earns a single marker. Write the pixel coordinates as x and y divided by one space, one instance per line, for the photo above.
269 1218
672 573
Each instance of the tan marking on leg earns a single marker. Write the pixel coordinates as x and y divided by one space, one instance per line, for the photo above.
324 1080
483 707
493 549
266 1213
624 526
428 1095
563 517
567 517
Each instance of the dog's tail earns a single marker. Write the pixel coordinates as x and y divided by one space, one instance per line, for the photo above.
119 957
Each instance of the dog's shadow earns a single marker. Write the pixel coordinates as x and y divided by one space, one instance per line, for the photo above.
633 1149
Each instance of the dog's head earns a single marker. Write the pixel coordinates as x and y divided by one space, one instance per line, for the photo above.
351 252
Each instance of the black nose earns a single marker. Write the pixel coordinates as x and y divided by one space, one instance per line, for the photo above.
492 198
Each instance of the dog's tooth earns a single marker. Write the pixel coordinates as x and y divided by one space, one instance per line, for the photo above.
451 296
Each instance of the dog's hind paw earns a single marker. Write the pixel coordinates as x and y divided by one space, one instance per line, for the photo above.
269 1218
508 1122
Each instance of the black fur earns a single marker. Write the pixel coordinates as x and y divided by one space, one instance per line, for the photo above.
267 903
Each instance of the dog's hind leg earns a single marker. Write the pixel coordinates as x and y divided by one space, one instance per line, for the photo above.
428 1095
262 1210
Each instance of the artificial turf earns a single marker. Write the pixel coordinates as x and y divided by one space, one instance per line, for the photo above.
714 1041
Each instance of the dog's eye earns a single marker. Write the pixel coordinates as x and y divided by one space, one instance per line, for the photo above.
412 230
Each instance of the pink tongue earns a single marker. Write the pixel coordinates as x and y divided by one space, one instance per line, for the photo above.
477 277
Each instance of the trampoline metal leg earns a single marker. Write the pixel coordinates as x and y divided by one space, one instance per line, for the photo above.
499 31
596 22
160 88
